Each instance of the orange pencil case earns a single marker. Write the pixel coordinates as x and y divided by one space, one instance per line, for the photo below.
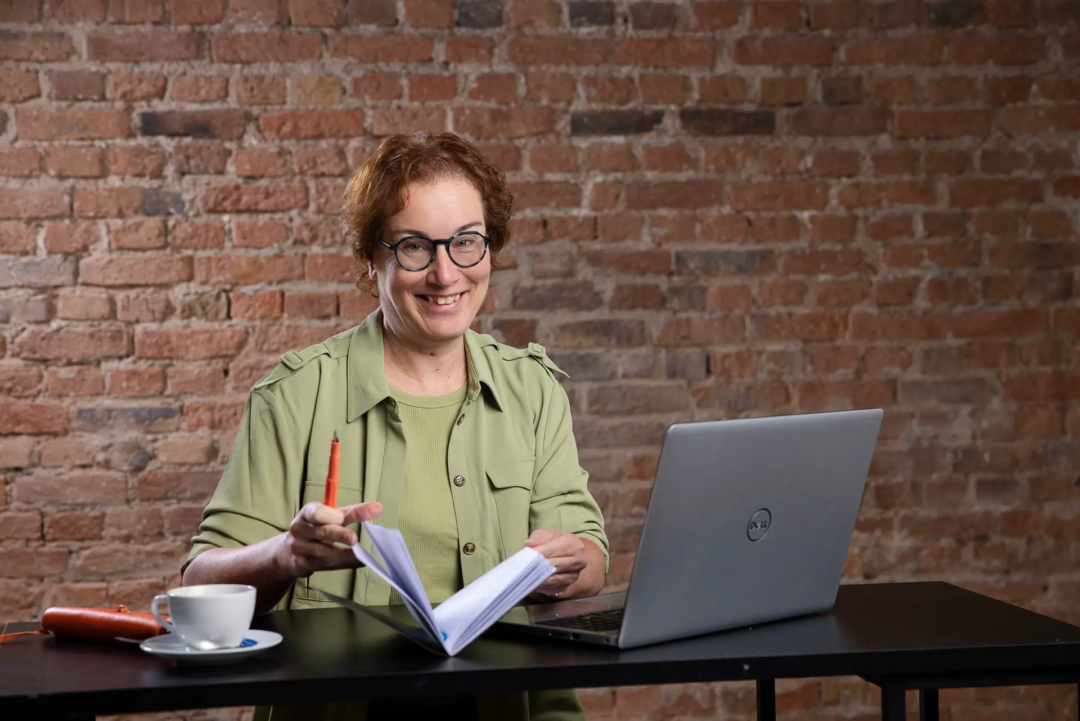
96 624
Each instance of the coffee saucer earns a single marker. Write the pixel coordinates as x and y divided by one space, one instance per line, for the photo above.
171 647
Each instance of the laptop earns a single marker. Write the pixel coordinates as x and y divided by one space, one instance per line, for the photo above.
749 521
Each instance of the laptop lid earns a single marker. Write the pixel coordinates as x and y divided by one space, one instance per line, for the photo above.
749 521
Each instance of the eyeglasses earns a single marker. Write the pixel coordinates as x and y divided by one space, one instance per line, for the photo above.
417 253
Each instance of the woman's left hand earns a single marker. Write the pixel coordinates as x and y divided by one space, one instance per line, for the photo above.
566 552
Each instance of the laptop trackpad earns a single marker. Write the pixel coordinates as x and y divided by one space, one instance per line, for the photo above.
576 607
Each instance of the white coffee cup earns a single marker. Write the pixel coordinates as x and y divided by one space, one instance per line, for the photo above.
208 617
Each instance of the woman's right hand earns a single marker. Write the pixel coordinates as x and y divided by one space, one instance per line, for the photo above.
308 545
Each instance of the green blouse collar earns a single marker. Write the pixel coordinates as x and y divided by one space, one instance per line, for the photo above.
367 385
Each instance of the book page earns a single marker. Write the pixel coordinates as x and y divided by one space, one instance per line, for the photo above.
470 611
405 582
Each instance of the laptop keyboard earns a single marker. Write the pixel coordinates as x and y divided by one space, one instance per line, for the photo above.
598 621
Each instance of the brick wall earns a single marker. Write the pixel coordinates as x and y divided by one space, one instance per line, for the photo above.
723 209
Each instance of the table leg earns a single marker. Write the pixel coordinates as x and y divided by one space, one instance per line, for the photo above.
928 704
893 707
766 699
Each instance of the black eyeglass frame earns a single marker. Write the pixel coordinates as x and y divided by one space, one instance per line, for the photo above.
435 249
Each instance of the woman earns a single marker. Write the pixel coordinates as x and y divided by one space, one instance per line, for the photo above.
463 444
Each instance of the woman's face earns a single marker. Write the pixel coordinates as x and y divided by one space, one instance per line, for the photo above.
410 300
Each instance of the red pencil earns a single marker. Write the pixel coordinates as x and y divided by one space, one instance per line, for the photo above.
331 477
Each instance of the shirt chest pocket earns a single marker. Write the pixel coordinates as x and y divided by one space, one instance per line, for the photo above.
511 486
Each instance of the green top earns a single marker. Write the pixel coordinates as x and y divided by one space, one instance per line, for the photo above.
427 504
512 444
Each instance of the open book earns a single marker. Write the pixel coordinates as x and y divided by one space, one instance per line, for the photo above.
465 615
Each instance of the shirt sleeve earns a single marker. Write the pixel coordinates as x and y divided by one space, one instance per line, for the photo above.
257 495
560 497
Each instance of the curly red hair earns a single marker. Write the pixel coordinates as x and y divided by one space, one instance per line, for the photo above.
379 190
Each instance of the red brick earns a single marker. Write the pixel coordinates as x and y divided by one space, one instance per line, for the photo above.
712 15
465 50
33 418
430 87
143 46
554 159
381 49
891 52
19 381
266 47
886 193
355 305
142 234
319 161
18 85
19 162
780 196
662 89
549 87
253 198
977 192
75 381
665 52
898 326
504 122
173 485
494 87
535 14
552 50
329 267
25 525
317 90
136 86
1003 49
939 124
75 11
610 158
200 88
313 124
36 47
299 304
259 305
33 563
197 12
134 270
316 12
701 331
136 161
1032 120
674 194
78 85
258 163
429 13
255 12
137 381
189 343
40 203
65 452
136 11
377 86
72 123
722 90
847 120
197 236
17 238
259 89
780 51
109 202
196 379
406 120
247 269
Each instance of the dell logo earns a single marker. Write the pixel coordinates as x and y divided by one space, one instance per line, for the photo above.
759 525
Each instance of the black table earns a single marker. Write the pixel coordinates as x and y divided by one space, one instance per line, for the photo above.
901 636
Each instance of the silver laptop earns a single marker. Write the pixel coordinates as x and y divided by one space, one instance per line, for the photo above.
749 521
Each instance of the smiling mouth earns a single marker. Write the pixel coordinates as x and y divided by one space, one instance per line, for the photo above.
442 299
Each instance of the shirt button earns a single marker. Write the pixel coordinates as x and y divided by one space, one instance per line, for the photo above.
469 548
459 481
460 419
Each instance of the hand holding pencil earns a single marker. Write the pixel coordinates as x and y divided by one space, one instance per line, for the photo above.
310 545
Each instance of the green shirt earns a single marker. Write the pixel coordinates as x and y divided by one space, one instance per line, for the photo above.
427 501
512 445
